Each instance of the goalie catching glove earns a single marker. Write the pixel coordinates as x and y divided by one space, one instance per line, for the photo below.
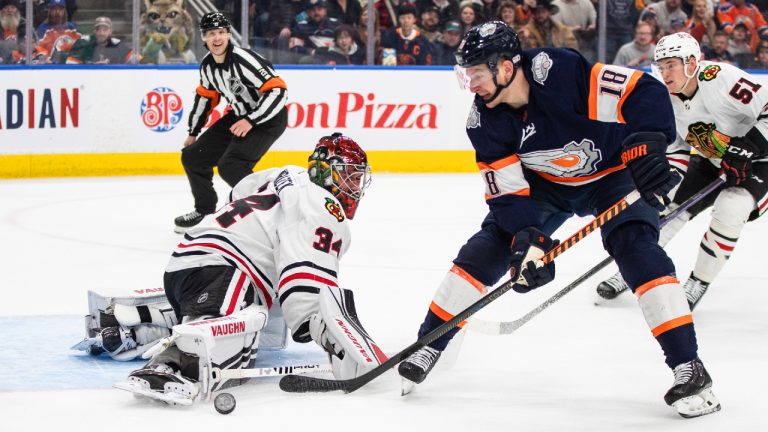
529 271
645 155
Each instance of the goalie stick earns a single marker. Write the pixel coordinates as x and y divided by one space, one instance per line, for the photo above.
303 383
507 327
227 374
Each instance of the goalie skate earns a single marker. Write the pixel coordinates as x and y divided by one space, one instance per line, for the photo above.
691 394
610 288
161 383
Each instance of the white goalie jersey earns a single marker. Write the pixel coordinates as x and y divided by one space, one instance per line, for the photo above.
728 103
283 231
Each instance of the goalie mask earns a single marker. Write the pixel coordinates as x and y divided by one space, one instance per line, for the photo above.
340 166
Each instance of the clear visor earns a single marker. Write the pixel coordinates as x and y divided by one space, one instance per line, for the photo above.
668 64
472 76
656 72
351 179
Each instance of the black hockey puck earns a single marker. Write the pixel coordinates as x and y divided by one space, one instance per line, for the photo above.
224 403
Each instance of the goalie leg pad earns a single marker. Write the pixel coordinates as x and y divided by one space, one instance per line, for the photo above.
337 329
126 325
200 348
229 342
729 215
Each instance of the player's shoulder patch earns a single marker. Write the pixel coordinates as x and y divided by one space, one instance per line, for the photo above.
709 73
473 120
540 66
283 180
334 208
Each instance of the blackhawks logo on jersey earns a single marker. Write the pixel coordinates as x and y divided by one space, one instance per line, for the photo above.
707 140
334 209
709 73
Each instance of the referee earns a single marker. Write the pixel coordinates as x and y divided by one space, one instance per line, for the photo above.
237 141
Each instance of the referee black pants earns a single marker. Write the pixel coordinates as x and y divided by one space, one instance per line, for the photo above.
234 156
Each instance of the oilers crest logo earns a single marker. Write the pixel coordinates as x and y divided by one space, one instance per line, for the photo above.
573 160
161 109
334 209
709 73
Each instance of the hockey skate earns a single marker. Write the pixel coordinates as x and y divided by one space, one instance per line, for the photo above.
161 382
691 394
610 288
416 367
694 290
187 221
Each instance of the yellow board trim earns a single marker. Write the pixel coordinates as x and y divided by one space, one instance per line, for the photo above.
129 164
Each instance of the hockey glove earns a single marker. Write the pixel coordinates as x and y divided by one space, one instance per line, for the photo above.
737 161
529 271
644 154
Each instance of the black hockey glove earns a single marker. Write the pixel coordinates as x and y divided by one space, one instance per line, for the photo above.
737 160
528 247
645 155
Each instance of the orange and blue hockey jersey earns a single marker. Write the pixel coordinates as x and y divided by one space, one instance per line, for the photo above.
570 132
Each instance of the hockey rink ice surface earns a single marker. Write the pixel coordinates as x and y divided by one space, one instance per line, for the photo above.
574 367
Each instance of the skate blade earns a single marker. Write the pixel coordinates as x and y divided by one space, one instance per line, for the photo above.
179 230
139 390
407 386
698 405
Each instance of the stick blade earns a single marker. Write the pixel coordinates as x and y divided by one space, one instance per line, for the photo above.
307 384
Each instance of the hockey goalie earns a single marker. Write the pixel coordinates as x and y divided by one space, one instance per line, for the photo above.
275 244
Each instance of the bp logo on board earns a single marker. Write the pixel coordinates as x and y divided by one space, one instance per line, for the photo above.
161 109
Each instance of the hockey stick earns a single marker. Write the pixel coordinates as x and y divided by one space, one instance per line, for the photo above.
303 383
227 374
507 327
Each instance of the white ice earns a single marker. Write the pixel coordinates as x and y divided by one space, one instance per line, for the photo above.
575 367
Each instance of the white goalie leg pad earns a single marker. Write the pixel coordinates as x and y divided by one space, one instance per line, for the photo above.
228 342
126 324
729 215
158 314
339 332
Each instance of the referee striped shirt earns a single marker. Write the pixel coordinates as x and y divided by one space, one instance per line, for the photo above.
247 81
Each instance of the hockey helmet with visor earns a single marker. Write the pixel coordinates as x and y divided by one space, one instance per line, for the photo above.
677 45
486 45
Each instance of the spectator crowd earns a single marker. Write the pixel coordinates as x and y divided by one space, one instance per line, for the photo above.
425 32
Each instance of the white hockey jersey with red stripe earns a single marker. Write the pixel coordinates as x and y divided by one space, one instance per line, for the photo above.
728 103
283 231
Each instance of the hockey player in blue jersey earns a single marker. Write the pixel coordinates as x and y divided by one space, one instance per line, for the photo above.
554 136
